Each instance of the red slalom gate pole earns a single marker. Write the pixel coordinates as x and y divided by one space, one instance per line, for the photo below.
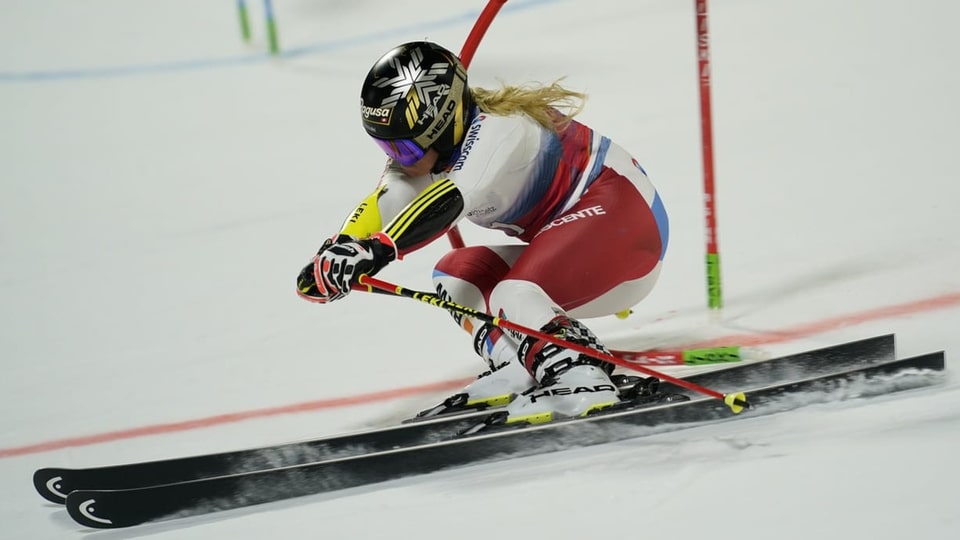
736 401
714 293
466 55
479 29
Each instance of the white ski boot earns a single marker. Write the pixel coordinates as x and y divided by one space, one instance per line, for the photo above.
570 383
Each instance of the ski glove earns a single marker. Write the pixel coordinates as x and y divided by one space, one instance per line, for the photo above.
341 260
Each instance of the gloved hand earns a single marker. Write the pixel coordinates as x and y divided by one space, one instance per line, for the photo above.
341 260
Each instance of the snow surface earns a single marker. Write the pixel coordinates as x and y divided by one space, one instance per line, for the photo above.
163 184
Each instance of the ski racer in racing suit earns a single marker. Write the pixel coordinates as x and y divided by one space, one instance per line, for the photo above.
591 230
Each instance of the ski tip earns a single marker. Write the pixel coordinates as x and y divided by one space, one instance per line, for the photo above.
50 485
104 510
737 402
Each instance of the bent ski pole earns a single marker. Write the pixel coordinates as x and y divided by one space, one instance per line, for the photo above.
698 356
736 401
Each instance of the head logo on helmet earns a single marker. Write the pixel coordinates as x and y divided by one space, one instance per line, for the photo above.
418 92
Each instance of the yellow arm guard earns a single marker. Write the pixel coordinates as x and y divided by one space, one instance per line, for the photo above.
428 216
365 219
425 218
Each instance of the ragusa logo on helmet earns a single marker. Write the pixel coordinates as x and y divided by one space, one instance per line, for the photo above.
379 115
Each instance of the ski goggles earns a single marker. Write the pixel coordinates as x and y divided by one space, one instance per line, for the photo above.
403 151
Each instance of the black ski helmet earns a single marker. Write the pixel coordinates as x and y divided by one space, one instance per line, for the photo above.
417 92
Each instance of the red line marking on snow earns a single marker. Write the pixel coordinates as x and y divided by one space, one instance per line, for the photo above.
825 325
746 340
229 418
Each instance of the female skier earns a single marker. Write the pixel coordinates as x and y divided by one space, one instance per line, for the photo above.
593 227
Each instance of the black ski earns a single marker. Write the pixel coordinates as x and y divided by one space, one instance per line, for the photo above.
123 508
55 483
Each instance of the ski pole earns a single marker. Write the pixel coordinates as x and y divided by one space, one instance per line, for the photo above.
736 401
699 356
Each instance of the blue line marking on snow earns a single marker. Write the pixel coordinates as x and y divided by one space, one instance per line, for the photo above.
467 17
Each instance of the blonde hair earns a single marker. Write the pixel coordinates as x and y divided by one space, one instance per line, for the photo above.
552 106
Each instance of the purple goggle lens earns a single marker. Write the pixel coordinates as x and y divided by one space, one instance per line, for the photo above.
403 151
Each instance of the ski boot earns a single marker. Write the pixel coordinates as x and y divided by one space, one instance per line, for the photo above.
570 383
